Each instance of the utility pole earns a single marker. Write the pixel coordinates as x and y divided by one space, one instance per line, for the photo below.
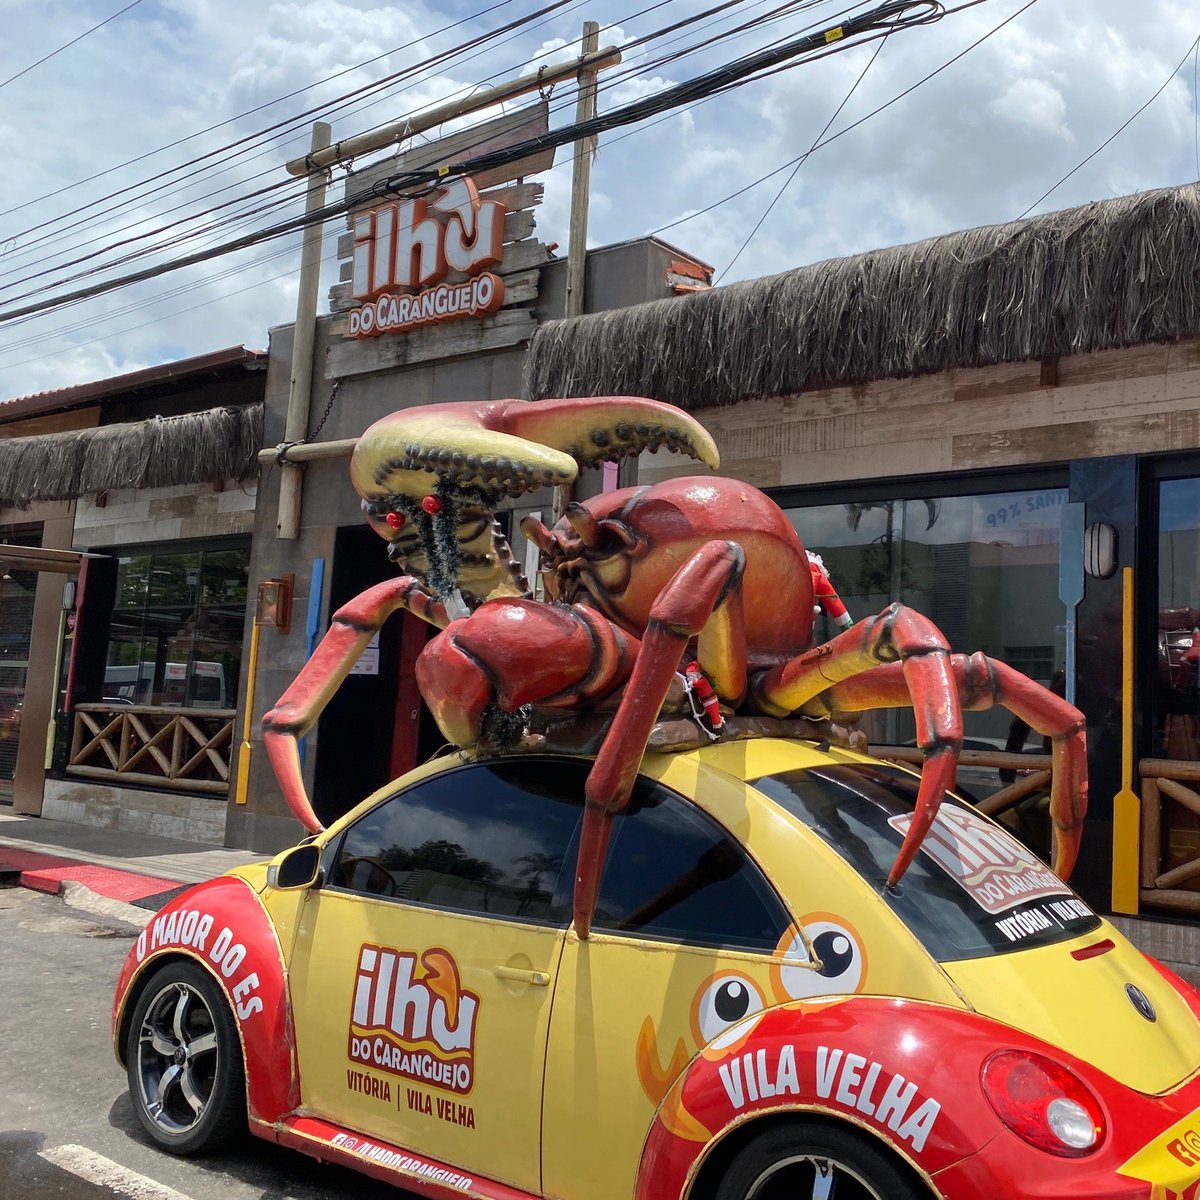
291 477
581 177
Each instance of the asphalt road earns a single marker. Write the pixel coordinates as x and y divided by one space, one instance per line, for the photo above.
67 1129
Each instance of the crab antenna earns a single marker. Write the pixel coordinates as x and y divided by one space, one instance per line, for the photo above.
585 525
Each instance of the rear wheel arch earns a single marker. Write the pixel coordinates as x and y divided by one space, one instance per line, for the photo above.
761 1134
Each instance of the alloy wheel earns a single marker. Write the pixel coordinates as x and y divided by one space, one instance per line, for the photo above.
177 1058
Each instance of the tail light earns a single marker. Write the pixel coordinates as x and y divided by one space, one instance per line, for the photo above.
1043 1103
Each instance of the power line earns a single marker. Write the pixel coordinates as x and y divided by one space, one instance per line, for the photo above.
861 121
1108 141
893 15
787 182
68 45
249 112
440 59
774 14
615 80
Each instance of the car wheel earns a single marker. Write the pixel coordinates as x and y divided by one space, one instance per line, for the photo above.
816 1161
184 1062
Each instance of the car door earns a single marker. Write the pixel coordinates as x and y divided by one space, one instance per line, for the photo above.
688 938
424 967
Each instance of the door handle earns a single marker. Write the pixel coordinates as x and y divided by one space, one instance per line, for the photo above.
517 975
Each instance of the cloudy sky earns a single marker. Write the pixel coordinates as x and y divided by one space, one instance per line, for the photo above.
96 138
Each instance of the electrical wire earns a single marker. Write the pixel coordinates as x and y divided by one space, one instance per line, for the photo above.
424 68
248 113
617 78
1109 140
787 182
329 107
67 45
862 120
773 14
893 14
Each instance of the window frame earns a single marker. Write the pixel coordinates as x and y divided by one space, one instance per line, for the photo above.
563 888
763 879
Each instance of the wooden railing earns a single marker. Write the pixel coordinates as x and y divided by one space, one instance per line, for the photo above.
1034 768
181 749
1167 780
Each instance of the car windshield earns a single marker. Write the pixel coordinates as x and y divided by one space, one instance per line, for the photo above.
971 891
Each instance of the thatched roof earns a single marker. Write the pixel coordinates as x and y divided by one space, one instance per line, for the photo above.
200 447
1114 273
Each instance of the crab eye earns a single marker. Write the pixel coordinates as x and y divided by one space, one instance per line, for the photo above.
843 964
724 1001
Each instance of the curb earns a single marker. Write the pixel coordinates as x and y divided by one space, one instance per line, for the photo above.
79 895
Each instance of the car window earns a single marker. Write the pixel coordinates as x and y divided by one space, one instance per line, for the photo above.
490 838
972 890
674 874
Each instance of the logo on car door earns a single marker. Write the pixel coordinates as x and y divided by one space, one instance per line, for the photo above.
411 1017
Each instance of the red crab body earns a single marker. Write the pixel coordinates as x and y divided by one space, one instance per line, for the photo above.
669 522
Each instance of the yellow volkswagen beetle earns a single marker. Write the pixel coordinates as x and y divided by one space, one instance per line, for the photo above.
754 1015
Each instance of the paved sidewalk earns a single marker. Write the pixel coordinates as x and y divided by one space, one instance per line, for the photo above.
132 875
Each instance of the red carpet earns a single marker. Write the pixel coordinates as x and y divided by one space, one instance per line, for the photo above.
45 872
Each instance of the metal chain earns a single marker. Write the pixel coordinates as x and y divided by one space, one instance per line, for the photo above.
283 449
325 414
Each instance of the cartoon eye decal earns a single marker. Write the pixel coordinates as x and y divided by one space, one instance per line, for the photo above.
843 962
724 1001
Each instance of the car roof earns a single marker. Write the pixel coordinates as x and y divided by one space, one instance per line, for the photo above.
738 760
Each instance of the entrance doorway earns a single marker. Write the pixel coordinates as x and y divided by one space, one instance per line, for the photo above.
376 726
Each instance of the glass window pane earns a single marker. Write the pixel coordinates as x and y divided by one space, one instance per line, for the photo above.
984 569
176 629
492 838
970 892
674 874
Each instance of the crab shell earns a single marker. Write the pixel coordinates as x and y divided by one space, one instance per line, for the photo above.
662 526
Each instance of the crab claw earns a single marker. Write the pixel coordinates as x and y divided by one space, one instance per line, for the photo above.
507 447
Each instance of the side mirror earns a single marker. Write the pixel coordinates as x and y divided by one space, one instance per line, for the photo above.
299 867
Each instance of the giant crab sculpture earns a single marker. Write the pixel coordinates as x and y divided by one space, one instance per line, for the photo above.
702 569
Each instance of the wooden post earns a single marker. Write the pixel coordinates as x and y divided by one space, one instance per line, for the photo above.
291 476
544 77
581 176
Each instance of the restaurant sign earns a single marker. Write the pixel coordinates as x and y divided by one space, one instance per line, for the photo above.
403 253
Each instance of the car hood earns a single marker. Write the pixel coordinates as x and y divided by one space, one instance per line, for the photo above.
1082 1003
255 874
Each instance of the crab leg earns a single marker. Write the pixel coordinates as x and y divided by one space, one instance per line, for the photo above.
495 662
803 684
352 627
982 682
703 598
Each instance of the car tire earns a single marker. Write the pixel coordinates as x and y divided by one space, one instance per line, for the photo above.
184 1062
816 1159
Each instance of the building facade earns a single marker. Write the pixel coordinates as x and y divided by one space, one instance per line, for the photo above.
127 511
